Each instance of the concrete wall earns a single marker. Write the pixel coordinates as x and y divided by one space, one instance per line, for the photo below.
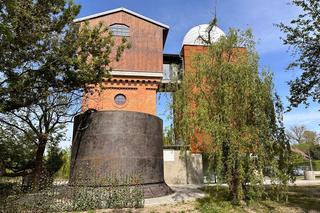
182 168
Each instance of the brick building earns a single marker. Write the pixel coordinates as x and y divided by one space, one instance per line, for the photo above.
137 76
144 70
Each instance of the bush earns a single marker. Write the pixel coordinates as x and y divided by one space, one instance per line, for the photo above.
315 152
76 198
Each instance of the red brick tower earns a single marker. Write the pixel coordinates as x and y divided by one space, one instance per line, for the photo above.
193 44
124 137
136 77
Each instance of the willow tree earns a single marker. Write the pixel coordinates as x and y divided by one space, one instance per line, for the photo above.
227 107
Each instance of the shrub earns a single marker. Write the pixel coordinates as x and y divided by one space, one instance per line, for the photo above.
77 198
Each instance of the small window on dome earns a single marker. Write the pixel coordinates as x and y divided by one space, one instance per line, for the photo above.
120 99
120 30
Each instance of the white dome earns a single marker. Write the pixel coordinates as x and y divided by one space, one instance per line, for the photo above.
193 36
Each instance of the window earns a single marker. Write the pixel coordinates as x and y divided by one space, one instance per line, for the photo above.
120 99
119 30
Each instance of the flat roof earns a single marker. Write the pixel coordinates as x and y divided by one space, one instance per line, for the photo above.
119 10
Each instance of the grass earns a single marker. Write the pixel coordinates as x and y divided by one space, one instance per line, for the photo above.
306 198
301 199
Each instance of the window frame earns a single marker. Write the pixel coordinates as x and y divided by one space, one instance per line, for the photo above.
119 29
123 103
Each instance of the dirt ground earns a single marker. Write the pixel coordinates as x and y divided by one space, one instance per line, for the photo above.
172 208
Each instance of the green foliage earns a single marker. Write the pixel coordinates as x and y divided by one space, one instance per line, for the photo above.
54 160
42 126
77 198
297 158
41 47
315 152
226 100
168 136
305 147
64 171
16 151
309 146
302 34
310 137
47 60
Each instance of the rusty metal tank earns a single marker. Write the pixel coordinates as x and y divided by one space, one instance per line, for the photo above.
118 144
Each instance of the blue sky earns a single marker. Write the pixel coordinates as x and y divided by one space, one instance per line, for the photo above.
259 15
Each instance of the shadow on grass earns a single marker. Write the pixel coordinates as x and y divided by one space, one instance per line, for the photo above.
305 198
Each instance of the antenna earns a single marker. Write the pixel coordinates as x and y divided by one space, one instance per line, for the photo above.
214 21
215 8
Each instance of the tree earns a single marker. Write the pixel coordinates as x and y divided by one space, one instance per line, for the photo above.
310 137
41 45
315 152
309 146
44 124
46 62
303 36
55 160
15 151
295 134
226 102
64 171
168 137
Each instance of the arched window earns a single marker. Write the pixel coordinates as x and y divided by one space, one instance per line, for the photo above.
120 30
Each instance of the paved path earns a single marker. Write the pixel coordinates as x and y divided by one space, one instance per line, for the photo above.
181 193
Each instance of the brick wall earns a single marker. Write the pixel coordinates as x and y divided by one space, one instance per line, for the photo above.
140 95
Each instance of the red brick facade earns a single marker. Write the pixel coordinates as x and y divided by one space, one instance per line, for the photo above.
140 95
139 71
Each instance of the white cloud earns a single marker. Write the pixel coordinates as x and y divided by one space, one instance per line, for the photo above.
309 117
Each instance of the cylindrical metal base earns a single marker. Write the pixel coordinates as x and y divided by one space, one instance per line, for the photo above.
118 147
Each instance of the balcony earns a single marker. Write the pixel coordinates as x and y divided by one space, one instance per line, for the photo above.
172 71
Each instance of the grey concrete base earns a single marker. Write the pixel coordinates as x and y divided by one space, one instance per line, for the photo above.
182 167
309 175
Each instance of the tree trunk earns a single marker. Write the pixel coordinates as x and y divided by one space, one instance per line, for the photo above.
234 194
38 175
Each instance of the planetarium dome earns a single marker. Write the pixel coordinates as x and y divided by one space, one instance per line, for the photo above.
193 37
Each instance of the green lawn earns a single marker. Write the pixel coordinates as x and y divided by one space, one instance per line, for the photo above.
301 199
